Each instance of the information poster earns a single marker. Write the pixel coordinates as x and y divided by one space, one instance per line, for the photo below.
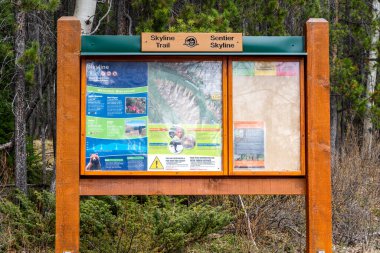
153 116
249 145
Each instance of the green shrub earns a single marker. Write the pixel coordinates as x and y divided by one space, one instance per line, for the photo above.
156 224
112 224
177 225
98 226
27 224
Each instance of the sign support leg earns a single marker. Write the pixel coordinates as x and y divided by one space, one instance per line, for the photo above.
68 135
318 197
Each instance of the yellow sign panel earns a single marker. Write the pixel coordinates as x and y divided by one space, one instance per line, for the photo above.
191 42
156 164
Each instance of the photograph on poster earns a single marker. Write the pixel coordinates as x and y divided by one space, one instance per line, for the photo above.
94 163
135 128
136 105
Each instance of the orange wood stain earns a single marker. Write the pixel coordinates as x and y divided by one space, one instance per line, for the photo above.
318 200
68 135
191 186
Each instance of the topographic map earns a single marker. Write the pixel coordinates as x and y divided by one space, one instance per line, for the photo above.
185 92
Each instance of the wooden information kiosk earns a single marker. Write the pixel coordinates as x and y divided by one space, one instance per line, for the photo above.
193 114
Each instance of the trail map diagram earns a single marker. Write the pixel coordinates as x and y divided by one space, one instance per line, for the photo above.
185 92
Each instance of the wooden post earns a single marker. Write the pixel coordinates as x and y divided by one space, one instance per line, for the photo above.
68 135
318 198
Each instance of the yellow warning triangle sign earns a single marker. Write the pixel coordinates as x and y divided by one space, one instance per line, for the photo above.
156 164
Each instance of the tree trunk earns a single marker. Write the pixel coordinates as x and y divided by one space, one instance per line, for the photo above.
334 100
52 183
371 81
51 104
43 153
334 124
85 12
19 102
108 29
121 19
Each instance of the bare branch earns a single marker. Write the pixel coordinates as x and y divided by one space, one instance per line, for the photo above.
100 20
248 222
7 145
130 22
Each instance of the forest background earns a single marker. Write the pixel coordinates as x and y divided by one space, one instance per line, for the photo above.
187 223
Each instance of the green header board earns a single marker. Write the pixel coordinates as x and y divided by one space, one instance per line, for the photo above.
252 45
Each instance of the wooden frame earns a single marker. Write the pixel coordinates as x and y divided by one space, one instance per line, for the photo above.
224 170
302 170
219 185
315 184
227 125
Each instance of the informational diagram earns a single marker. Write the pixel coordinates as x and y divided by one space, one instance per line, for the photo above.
150 116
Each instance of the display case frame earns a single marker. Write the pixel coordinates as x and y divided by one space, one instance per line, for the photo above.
224 155
302 116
